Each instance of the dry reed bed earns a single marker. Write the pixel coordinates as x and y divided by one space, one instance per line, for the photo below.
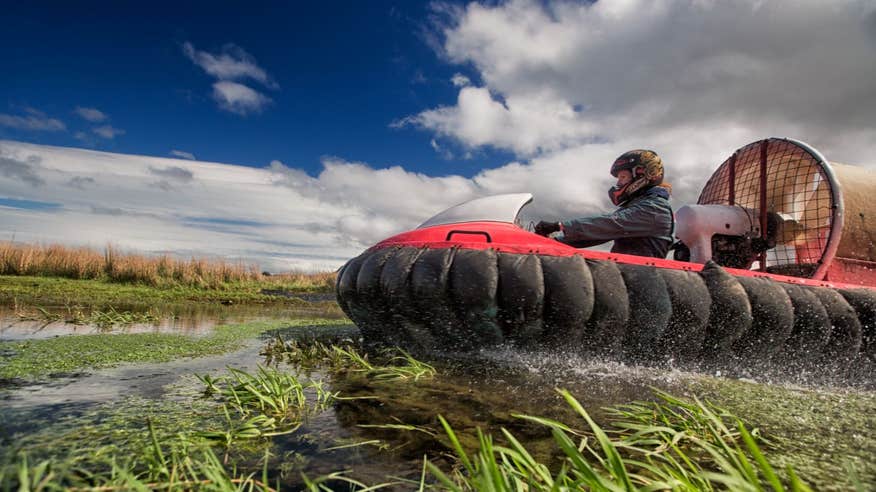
112 264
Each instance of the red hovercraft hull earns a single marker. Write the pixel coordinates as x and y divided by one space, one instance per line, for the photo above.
475 285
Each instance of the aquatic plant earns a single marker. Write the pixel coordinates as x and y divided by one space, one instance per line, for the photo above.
391 363
76 315
34 358
269 392
181 465
666 445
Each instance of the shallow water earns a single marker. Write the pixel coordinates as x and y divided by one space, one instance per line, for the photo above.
24 324
817 428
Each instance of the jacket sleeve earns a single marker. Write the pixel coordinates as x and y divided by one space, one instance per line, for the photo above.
641 219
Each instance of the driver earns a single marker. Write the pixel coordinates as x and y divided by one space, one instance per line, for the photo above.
643 222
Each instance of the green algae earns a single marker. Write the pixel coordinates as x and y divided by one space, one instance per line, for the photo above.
35 358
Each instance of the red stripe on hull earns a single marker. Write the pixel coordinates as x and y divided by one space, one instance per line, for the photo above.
509 238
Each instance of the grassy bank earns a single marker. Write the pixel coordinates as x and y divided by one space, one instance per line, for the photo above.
113 265
54 291
35 358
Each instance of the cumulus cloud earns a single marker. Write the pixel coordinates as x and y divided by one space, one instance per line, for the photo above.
107 131
525 125
229 67
232 63
238 98
93 115
691 79
183 154
34 120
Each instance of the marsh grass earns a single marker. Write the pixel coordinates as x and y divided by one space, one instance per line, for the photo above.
116 266
78 315
181 465
389 364
263 404
269 392
666 445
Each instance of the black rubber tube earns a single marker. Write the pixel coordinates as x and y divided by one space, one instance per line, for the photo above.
474 281
845 337
607 327
686 330
772 320
430 275
568 300
811 328
864 303
346 286
405 328
729 314
650 310
521 298
369 298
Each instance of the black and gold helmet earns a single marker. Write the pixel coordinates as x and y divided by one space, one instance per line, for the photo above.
647 170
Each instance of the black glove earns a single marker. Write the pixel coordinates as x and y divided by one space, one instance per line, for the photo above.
544 228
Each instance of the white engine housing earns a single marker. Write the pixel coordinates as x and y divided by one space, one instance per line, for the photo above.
696 224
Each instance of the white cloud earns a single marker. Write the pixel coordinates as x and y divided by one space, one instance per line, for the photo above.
238 98
233 63
526 125
460 80
279 216
567 86
445 153
93 115
107 131
22 170
35 120
183 154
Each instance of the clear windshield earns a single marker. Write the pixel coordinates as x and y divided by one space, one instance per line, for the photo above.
496 208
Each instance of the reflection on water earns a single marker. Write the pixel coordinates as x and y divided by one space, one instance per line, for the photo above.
53 321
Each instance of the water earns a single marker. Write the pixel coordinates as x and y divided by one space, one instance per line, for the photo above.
195 320
816 428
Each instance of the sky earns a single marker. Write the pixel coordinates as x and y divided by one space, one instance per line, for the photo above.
295 135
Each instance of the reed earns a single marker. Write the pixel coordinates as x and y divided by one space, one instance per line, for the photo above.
114 265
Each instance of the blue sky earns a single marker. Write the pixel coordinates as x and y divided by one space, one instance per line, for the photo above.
297 134
343 72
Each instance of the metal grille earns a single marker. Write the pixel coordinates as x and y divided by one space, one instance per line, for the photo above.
794 188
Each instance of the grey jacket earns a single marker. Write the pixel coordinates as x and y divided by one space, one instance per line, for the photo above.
642 226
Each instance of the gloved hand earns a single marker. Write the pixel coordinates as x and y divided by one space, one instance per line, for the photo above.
545 228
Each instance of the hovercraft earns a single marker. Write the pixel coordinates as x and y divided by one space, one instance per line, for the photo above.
776 264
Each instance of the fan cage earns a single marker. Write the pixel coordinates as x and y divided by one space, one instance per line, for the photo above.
792 180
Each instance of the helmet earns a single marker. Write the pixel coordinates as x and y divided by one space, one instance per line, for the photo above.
647 170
